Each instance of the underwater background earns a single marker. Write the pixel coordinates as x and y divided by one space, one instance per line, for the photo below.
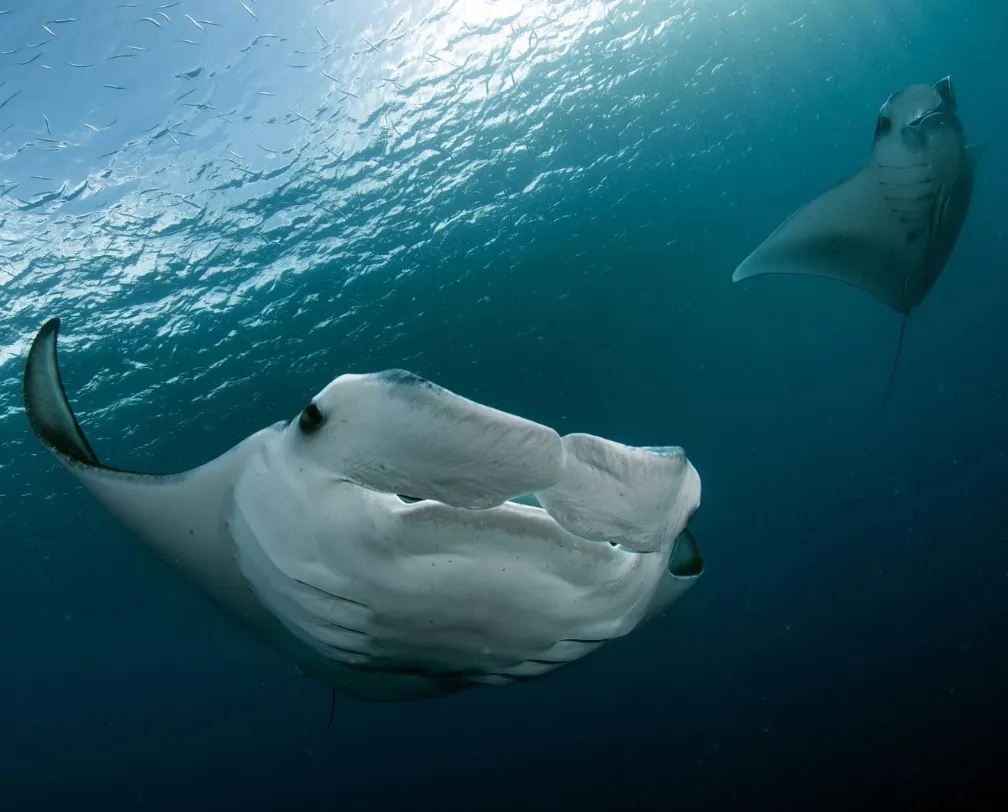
538 205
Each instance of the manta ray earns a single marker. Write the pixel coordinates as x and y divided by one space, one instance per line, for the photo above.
398 541
890 228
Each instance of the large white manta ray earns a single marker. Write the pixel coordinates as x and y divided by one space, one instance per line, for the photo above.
376 540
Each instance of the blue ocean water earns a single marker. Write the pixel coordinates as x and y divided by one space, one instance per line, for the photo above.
538 205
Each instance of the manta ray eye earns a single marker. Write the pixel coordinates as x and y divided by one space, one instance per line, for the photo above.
311 419
883 126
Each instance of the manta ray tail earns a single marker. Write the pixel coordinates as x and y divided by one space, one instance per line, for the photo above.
899 349
332 709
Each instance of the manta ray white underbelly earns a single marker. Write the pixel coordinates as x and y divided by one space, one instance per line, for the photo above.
398 541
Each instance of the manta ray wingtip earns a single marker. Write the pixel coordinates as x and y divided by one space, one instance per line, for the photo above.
45 337
744 271
49 327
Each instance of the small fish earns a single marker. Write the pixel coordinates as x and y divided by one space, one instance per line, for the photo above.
46 118
195 22
6 101
150 20
186 200
250 11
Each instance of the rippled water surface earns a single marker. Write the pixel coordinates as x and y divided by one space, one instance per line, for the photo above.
538 205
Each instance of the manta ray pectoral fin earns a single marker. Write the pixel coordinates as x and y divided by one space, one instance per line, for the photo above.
179 516
974 152
398 433
636 497
849 233
49 412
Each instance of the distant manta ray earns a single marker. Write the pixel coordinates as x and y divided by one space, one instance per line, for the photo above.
890 228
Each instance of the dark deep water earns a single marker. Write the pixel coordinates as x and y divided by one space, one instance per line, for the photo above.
538 205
